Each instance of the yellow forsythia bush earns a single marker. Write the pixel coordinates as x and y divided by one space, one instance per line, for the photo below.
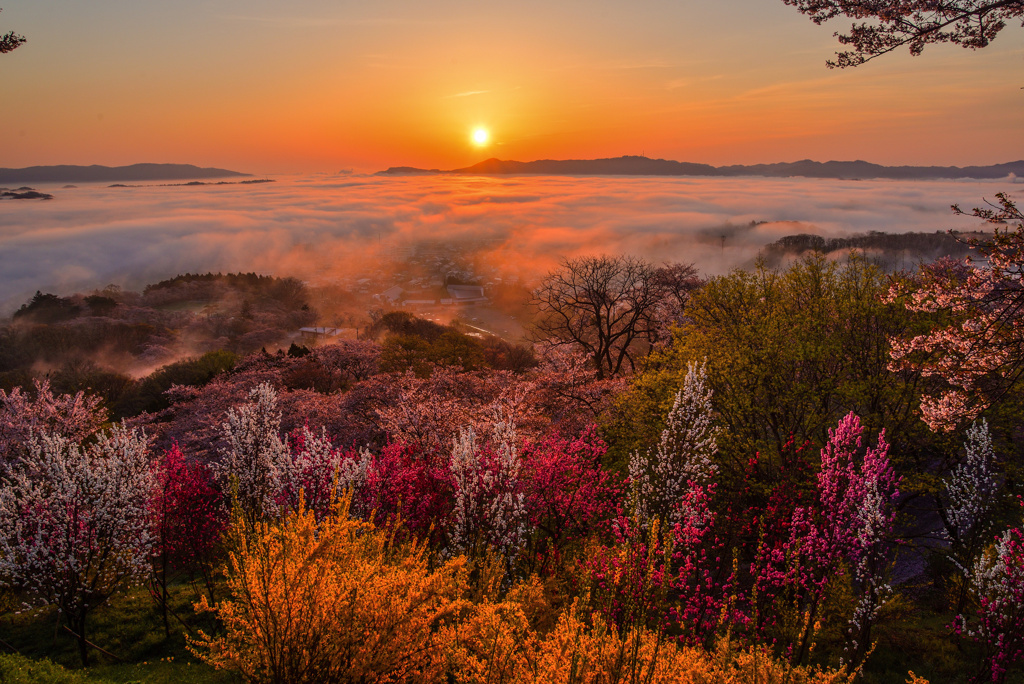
334 601
495 645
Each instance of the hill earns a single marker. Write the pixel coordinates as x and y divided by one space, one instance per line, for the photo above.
643 166
108 174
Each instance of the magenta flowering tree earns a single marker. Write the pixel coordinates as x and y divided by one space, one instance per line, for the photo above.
404 483
850 529
189 521
75 523
569 496
997 581
74 417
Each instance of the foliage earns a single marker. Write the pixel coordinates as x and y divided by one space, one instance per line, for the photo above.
337 601
892 24
74 521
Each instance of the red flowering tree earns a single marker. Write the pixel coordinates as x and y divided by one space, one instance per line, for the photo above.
189 519
569 496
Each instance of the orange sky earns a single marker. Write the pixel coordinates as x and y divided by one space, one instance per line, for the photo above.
321 85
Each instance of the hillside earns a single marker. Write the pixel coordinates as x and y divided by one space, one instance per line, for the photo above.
108 174
643 166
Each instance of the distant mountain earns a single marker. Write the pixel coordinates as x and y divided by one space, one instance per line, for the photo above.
642 166
109 174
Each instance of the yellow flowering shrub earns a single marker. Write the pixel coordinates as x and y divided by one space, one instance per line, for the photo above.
334 601
495 645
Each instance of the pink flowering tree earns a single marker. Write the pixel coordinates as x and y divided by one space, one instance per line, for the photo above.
997 581
75 523
21 413
315 472
975 347
189 520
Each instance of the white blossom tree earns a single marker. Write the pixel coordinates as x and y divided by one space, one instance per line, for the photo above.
490 508
75 523
660 480
255 458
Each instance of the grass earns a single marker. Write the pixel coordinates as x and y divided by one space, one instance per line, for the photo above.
37 649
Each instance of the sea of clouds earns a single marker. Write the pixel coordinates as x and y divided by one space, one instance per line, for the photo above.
323 228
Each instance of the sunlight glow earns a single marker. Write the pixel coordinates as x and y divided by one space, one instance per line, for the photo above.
481 136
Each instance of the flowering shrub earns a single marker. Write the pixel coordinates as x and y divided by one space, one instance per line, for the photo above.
848 529
189 519
569 496
254 461
75 521
334 601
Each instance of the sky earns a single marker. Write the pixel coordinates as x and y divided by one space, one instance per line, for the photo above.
323 85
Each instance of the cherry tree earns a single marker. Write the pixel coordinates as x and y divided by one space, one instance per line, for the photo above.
977 348
75 522
72 416
886 25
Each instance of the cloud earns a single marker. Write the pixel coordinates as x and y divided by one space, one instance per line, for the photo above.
468 93
329 228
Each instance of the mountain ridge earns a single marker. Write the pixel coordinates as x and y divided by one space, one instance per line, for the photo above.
631 165
70 173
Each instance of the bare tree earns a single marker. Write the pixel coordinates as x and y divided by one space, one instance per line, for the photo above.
885 25
602 304
10 40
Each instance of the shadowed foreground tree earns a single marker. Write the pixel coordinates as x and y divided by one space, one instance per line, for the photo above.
10 40
881 26
609 306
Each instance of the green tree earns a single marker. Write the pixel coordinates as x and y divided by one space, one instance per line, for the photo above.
788 353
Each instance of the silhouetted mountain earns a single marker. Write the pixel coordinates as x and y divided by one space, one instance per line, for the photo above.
642 166
106 174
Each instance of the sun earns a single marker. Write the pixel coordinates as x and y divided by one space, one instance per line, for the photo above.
481 136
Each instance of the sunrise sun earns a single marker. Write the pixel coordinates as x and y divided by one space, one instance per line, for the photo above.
481 136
